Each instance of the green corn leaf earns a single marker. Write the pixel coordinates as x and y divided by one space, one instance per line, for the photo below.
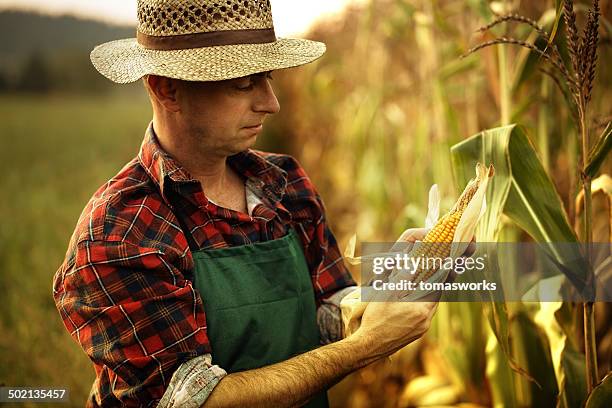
466 358
532 351
527 60
553 32
600 151
554 318
499 372
602 394
521 190
573 362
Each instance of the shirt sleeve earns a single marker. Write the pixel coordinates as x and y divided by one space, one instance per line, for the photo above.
192 383
134 314
329 316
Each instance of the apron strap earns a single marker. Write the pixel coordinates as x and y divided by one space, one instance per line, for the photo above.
193 246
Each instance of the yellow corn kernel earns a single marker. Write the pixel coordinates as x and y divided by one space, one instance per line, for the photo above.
439 239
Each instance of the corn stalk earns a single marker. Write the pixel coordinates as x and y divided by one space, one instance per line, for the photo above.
584 58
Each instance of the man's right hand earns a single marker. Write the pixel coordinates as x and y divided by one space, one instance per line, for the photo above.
388 326
385 328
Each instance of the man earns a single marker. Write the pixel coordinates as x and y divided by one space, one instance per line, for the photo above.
204 272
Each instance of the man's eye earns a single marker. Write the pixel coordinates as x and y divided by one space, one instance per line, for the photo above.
245 85
248 83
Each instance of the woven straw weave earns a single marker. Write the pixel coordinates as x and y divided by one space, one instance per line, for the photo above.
160 17
125 61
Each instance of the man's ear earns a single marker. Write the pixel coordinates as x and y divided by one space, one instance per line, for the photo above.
164 90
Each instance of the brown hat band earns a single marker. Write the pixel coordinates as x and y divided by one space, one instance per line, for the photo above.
207 39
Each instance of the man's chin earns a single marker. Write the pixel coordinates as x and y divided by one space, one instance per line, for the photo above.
251 140
242 147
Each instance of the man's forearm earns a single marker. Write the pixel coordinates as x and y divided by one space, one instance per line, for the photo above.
293 382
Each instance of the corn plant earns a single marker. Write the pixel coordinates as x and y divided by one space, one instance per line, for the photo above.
575 80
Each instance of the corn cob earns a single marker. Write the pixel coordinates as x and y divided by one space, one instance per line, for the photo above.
437 242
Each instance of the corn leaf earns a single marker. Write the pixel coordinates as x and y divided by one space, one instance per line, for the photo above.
571 367
600 151
521 190
499 372
529 60
466 359
532 351
602 394
561 350
555 28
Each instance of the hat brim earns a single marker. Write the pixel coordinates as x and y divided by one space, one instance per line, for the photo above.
125 61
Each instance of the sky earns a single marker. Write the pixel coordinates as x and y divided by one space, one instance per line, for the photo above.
290 17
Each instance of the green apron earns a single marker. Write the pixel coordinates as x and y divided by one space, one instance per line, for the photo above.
259 304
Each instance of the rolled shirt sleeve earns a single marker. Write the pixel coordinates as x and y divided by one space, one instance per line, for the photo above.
332 279
192 383
329 316
136 317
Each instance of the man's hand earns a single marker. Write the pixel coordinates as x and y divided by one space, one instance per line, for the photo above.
392 325
388 326
385 328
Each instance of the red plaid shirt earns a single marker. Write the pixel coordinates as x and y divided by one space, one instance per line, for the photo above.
125 289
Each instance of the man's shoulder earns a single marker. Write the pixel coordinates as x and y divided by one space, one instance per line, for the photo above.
121 207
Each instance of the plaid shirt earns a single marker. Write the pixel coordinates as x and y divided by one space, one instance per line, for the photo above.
124 290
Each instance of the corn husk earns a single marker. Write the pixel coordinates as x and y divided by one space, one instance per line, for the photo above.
353 305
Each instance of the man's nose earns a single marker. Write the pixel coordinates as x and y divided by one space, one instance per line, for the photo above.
266 100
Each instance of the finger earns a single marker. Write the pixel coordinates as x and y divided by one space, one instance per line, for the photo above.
427 304
432 297
408 236
422 232
404 235
413 234
432 306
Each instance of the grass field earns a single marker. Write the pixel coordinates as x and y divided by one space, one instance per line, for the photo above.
55 153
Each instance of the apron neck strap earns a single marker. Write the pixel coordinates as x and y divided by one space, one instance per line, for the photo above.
193 245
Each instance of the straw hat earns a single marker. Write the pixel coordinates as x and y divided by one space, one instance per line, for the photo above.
202 40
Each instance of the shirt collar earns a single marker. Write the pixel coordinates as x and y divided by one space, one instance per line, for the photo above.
265 178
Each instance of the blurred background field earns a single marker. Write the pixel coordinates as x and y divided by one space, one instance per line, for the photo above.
372 122
56 151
